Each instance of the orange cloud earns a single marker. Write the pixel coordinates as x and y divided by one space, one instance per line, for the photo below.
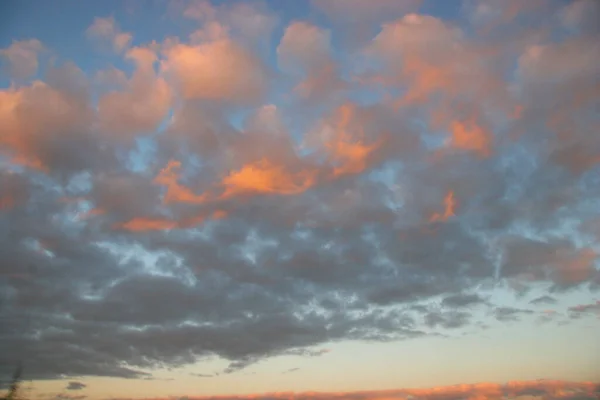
434 65
450 204
258 177
15 129
220 214
146 224
176 192
264 176
159 224
426 78
468 135
31 118
348 153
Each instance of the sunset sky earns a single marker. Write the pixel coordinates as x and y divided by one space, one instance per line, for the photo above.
300 199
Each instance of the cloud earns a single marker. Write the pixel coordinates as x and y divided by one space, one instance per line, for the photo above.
47 124
204 375
462 300
506 314
491 14
304 45
581 15
251 23
305 51
22 58
143 104
545 299
75 385
107 30
558 260
187 191
356 11
219 70
585 308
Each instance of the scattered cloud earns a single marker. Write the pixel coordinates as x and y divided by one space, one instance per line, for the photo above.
21 58
76 385
545 299
186 189
289 371
106 30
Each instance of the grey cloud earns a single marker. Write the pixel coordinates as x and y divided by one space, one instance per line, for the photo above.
583 309
463 300
448 320
73 385
203 375
545 299
507 314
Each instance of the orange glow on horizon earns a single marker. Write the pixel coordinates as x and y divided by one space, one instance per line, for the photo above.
484 390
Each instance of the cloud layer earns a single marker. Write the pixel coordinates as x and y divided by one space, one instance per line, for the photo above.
204 197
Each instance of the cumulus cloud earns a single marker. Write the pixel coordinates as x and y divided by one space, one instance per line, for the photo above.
252 23
219 70
153 209
144 102
305 50
108 32
21 58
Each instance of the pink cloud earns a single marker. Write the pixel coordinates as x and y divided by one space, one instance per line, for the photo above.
144 102
107 30
22 57
219 70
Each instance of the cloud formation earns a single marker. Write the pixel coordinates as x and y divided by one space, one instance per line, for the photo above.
73 385
199 196
21 57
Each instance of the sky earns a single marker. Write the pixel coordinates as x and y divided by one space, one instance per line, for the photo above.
300 199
